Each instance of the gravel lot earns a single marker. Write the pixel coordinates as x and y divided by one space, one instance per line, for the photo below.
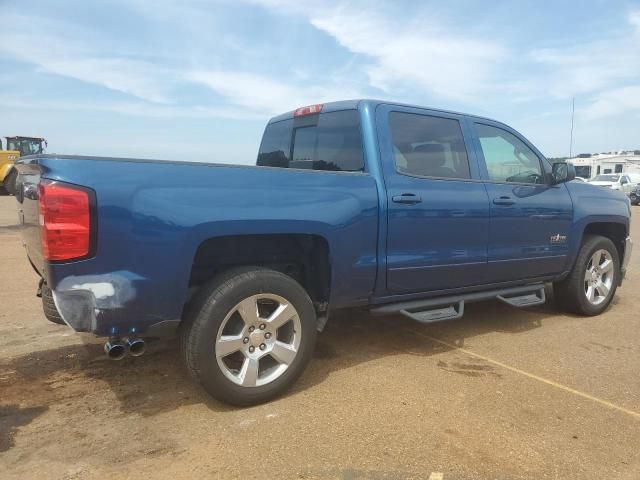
502 393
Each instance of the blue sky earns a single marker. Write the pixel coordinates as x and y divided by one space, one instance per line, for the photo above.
197 79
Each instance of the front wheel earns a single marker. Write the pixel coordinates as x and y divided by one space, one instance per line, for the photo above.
591 285
249 335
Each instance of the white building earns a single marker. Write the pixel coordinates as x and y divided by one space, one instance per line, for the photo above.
602 163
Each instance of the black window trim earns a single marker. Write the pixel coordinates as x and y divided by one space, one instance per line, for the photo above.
519 137
292 144
365 164
431 177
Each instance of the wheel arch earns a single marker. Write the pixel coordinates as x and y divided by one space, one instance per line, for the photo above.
303 257
617 232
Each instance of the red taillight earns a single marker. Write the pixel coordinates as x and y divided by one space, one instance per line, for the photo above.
310 110
65 221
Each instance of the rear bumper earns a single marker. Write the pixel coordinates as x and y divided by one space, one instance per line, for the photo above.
628 248
119 303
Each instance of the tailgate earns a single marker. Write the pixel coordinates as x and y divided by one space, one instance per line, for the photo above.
29 171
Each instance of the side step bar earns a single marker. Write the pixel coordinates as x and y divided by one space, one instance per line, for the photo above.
450 308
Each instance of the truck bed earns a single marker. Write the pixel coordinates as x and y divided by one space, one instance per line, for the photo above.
152 216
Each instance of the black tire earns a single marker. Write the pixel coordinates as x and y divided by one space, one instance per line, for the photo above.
204 319
10 182
570 292
49 306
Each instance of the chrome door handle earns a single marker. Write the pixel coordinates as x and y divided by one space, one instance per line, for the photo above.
504 200
407 198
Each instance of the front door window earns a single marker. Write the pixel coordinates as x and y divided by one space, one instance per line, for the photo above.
507 157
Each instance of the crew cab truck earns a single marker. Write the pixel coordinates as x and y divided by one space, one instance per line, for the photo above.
394 208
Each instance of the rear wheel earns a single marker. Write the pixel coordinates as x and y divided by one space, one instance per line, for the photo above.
49 306
591 285
249 335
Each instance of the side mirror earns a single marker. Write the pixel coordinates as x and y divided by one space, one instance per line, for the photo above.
562 172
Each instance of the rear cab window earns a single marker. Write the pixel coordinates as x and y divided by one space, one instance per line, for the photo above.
326 141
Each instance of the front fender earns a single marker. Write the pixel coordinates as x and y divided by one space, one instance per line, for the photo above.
593 204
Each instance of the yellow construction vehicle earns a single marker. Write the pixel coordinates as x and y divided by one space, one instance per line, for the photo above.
16 147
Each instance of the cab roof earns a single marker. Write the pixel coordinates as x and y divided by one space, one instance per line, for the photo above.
354 104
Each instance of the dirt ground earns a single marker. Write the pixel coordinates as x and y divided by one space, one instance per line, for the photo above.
500 394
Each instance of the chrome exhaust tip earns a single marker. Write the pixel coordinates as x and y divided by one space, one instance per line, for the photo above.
136 346
115 350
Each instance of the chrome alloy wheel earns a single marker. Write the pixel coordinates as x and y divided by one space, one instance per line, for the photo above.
258 340
598 278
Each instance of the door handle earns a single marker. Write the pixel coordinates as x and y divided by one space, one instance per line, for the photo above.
503 200
407 198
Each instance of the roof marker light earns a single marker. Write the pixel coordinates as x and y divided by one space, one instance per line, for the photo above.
309 110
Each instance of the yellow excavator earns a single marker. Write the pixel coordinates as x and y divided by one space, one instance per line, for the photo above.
16 147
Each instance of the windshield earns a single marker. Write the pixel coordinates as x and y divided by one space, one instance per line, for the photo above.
607 178
25 146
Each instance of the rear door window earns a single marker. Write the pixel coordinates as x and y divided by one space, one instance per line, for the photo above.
428 146
328 141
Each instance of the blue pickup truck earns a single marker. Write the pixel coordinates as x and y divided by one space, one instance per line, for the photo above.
394 208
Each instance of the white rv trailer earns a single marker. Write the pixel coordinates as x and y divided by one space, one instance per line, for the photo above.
601 164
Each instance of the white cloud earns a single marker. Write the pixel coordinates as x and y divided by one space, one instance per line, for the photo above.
415 50
606 62
259 93
135 108
136 78
603 73
417 54
616 101
634 19
71 51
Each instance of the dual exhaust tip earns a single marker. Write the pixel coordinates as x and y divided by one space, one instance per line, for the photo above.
117 349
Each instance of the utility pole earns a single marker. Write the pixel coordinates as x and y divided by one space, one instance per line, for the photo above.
573 110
